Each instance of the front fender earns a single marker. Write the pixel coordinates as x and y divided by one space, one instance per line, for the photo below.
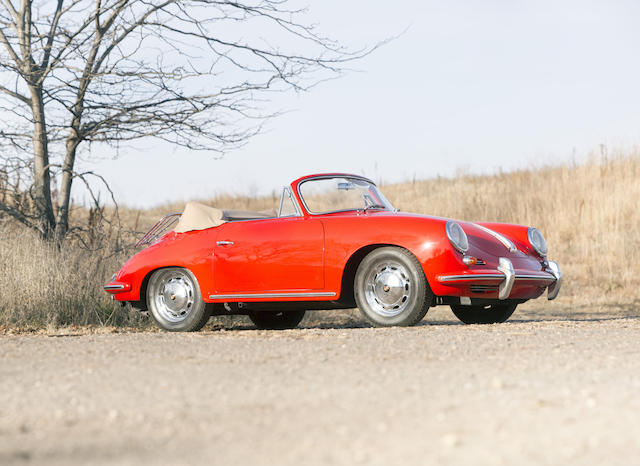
519 234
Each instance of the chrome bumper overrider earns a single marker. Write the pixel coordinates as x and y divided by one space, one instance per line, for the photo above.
554 288
506 267
507 277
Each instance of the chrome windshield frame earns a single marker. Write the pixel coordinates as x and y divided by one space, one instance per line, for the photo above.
328 177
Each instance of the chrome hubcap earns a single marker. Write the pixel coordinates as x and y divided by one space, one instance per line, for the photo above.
174 299
388 289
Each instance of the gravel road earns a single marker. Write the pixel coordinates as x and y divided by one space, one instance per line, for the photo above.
544 388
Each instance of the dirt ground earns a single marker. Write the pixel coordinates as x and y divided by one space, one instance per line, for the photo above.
547 387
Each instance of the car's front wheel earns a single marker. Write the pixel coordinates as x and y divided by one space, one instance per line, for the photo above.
390 288
489 314
173 297
274 320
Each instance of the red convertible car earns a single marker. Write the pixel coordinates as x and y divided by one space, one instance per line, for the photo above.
335 242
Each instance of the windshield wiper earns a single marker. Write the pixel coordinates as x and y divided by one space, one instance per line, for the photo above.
374 206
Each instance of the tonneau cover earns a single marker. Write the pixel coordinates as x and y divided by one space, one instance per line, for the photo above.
198 216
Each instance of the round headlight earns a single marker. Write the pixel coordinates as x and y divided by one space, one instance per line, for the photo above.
457 236
537 241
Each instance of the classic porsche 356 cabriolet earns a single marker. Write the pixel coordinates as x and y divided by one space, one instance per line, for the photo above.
334 242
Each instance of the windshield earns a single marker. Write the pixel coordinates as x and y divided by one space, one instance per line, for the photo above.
325 195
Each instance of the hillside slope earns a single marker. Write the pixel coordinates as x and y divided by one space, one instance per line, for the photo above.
588 212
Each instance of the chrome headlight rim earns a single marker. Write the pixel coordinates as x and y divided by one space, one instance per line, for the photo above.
457 236
537 241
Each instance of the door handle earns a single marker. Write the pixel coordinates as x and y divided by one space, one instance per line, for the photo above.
224 243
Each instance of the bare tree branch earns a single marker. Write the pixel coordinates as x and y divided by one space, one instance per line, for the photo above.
50 36
195 73
14 56
11 8
16 95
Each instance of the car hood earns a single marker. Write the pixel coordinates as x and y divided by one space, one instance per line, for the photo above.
479 238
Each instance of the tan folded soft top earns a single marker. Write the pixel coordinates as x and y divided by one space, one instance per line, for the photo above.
198 216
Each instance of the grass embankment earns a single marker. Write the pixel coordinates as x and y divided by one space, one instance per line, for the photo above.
588 213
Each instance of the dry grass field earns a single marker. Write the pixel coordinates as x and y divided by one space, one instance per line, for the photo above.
588 212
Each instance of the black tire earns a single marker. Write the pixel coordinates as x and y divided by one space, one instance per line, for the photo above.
490 314
276 320
174 300
390 288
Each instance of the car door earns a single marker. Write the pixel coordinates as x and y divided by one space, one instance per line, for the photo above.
267 256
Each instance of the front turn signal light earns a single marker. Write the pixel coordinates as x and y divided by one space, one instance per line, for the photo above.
469 260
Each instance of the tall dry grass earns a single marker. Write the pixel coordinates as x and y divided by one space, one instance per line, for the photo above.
589 213
42 286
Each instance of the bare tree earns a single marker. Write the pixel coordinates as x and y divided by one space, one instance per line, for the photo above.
193 72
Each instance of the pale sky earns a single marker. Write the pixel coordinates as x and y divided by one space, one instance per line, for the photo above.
472 85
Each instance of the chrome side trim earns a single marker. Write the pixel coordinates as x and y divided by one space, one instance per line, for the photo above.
554 288
506 267
113 287
321 294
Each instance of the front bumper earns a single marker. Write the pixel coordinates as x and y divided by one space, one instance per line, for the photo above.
505 276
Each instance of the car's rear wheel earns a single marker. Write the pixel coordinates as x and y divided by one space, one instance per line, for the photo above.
173 297
489 314
276 320
390 288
